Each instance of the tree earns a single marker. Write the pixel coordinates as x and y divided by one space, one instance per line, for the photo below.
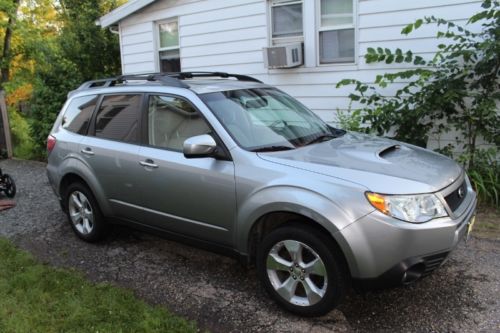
81 51
9 9
94 51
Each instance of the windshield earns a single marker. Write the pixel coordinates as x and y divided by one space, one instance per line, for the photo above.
266 119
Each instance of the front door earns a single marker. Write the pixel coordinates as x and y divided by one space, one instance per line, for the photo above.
193 197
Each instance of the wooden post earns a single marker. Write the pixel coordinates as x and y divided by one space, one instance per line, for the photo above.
5 122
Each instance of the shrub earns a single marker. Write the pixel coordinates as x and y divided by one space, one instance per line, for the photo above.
457 90
20 132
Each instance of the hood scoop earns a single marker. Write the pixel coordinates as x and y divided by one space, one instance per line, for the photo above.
388 150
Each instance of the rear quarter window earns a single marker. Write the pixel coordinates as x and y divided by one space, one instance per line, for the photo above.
77 116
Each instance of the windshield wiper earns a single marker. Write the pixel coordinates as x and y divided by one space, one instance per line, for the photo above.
271 148
321 138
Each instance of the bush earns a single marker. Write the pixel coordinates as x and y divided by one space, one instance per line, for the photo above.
20 131
458 90
485 175
51 88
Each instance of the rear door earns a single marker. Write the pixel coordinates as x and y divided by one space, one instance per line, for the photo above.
111 151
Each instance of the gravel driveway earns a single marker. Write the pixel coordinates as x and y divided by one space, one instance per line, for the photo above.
222 296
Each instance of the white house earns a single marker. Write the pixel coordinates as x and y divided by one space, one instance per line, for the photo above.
229 36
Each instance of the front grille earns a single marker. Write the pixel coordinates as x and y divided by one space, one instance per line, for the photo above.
454 199
433 262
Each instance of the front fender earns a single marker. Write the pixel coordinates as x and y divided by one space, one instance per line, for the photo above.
288 199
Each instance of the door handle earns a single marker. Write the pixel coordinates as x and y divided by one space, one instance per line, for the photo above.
87 151
149 164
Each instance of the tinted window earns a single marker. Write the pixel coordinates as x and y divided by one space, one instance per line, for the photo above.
118 118
171 121
78 114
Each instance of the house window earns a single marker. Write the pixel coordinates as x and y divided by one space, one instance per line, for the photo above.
336 31
169 56
286 21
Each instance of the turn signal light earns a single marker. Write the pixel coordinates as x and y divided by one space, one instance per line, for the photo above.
377 201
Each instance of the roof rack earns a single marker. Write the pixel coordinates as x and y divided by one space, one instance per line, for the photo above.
168 79
190 75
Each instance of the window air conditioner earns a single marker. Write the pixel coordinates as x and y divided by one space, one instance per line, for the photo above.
284 56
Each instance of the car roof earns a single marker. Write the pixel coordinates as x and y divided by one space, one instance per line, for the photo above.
198 82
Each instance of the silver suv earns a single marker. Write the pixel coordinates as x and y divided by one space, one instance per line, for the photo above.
226 162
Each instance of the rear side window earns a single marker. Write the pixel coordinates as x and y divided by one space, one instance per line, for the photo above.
78 114
118 118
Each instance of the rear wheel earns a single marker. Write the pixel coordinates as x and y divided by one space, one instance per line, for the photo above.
84 214
10 186
300 271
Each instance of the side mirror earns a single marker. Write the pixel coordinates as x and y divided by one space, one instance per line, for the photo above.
200 146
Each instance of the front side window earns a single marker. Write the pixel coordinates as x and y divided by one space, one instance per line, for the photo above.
78 114
169 55
286 21
336 31
172 120
118 118
266 119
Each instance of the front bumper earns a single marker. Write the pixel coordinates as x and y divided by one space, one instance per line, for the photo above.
382 251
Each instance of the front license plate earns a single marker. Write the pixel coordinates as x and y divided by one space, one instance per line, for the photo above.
470 225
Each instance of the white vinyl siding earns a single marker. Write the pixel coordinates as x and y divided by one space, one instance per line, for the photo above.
229 36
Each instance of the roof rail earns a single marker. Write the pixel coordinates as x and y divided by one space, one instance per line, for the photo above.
164 78
168 79
190 75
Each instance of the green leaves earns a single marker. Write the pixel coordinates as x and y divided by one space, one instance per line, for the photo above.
398 56
458 90
412 26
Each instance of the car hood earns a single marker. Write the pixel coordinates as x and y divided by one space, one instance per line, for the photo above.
381 165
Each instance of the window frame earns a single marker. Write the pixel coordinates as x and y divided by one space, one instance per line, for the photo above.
145 125
277 41
160 49
89 125
320 29
91 130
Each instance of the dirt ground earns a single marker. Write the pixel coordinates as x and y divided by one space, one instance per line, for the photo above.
223 296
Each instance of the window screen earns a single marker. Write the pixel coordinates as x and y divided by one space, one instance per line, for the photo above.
337 31
168 46
78 114
169 34
287 20
118 118
336 45
171 121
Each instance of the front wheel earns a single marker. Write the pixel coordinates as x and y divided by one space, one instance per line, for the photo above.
10 186
300 271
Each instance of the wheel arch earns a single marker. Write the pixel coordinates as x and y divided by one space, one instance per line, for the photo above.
276 219
76 171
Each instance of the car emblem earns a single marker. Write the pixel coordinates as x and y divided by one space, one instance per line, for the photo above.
461 193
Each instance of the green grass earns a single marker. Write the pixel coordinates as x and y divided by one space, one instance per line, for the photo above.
487 222
39 298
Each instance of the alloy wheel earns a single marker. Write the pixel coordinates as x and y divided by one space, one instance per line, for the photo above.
297 273
81 213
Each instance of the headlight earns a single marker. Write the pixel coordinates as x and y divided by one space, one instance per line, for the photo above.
411 208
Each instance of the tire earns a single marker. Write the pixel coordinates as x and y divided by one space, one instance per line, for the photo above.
10 186
317 288
84 214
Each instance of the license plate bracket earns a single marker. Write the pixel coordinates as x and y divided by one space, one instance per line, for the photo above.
470 226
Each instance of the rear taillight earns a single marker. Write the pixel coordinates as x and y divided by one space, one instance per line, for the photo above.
51 143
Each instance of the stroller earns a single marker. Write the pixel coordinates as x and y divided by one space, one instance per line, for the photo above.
7 185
